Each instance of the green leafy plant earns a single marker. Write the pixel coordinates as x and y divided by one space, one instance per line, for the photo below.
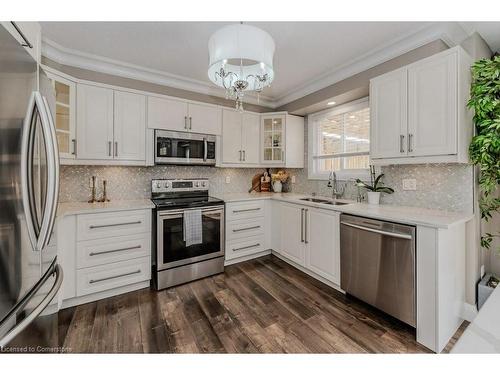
376 185
484 150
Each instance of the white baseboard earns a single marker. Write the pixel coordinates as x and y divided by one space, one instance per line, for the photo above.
105 294
469 312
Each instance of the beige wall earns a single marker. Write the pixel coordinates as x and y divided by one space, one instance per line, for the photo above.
359 83
146 86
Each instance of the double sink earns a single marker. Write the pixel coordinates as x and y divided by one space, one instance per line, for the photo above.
323 201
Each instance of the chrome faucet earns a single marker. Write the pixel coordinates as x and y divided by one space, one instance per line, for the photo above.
337 192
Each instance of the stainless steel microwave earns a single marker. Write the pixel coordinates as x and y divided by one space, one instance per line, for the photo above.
184 148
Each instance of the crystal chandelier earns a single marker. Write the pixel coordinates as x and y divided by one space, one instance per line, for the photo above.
241 59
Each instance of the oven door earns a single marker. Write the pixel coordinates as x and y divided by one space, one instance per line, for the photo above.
172 251
184 148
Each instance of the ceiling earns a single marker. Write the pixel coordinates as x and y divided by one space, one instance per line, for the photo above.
306 52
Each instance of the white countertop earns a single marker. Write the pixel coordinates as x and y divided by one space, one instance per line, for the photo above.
400 214
75 208
483 334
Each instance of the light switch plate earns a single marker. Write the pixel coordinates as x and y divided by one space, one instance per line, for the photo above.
228 180
409 184
293 179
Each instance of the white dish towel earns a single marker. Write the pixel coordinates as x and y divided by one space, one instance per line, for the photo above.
192 227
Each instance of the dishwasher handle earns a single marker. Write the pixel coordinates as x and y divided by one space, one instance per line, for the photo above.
383 232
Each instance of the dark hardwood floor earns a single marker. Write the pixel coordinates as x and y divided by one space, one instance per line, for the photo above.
259 306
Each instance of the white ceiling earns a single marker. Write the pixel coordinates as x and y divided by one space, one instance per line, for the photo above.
306 52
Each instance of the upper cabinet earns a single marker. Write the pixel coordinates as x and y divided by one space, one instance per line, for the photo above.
178 115
419 112
111 125
282 140
240 140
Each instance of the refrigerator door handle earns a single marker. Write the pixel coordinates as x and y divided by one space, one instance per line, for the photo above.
54 269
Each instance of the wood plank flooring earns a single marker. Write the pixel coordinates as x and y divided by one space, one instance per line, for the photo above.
259 306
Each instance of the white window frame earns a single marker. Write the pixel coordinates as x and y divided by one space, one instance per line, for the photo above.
312 142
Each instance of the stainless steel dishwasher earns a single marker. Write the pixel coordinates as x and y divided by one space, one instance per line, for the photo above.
377 261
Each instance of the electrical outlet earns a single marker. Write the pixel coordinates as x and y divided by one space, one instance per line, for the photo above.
409 184
293 179
228 180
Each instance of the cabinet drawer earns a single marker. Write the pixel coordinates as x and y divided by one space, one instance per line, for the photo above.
113 224
245 210
241 229
114 249
247 246
110 276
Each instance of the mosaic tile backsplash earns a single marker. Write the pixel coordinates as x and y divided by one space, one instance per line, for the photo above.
439 186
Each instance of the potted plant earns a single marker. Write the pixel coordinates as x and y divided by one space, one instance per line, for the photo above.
375 187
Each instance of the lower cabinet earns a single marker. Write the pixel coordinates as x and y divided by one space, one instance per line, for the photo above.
310 238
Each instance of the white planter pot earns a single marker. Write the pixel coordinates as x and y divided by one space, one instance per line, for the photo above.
373 197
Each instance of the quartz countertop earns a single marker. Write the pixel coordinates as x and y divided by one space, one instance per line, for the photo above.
400 214
75 208
483 334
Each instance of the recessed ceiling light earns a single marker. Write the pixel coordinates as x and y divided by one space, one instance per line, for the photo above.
330 103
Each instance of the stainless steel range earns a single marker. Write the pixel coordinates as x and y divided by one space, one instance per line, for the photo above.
180 203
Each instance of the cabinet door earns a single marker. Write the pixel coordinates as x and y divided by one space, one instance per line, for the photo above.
94 125
388 115
231 137
292 234
323 248
250 139
273 136
432 106
205 119
130 126
167 114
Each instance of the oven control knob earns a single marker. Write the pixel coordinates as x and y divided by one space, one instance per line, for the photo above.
158 185
204 184
197 184
167 184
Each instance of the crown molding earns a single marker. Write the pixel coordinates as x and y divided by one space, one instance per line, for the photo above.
83 60
452 33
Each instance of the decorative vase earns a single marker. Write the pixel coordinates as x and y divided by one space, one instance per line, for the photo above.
373 197
277 186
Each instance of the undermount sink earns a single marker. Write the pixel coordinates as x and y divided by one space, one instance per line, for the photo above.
324 201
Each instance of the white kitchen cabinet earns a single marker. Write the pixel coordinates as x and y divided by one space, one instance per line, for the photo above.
28 34
61 96
180 115
323 247
282 140
419 112
240 137
292 232
129 126
94 122
167 114
432 106
388 117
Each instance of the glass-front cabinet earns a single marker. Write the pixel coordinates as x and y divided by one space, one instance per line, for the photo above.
61 96
273 138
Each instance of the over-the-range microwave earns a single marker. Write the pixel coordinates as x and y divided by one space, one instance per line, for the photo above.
173 147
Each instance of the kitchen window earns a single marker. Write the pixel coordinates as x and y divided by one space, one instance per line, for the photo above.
339 140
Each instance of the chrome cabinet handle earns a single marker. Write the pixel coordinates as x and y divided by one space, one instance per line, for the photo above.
109 148
114 250
40 307
113 225
185 122
390 234
305 225
246 210
240 155
243 229
401 143
116 149
246 247
26 41
74 146
114 277
190 123
301 225
205 149
410 138
244 156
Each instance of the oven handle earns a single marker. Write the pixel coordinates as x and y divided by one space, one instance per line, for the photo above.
180 212
205 149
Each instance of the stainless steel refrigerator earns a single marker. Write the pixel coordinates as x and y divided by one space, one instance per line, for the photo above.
30 276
